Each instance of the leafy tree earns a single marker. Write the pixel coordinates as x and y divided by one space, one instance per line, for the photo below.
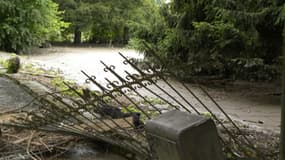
25 23
206 37
102 21
79 14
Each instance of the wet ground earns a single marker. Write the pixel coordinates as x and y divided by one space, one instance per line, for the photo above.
88 152
12 97
254 103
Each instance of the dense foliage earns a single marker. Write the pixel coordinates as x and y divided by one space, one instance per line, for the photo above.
29 23
25 23
105 21
217 37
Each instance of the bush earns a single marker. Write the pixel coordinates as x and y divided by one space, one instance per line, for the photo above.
216 38
253 69
13 64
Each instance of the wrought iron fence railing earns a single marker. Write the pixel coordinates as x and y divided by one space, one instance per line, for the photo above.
116 113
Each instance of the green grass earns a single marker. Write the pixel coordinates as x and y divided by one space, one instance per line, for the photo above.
133 108
3 62
59 83
29 67
10 63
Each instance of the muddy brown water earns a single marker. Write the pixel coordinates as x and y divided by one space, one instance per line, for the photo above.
71 61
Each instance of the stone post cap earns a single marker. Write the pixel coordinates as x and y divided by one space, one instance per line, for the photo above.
173 123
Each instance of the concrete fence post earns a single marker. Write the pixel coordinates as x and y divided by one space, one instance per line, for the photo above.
177 135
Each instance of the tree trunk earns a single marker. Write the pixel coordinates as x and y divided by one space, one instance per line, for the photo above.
126 35
77 35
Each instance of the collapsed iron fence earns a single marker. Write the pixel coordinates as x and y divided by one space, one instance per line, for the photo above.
116 113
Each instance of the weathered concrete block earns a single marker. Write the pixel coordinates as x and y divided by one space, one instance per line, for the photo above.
177 135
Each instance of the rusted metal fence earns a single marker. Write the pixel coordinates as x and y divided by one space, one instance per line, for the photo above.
117 112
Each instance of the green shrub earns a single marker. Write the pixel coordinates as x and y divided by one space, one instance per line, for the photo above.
253 69
205 38
3 62
13 64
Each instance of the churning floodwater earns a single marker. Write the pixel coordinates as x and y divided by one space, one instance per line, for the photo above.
71 60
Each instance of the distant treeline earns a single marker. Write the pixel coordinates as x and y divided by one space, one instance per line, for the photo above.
24 24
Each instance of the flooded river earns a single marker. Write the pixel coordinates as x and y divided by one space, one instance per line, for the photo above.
72 60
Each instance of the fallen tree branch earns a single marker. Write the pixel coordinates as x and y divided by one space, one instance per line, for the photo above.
45 145
32 155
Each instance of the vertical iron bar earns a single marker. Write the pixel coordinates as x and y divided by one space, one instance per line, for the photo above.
172 74
129 99
180 95
160 97
64 113
71 129
282 125
142 73
103 89
86 118
116 124
228 117
124 82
